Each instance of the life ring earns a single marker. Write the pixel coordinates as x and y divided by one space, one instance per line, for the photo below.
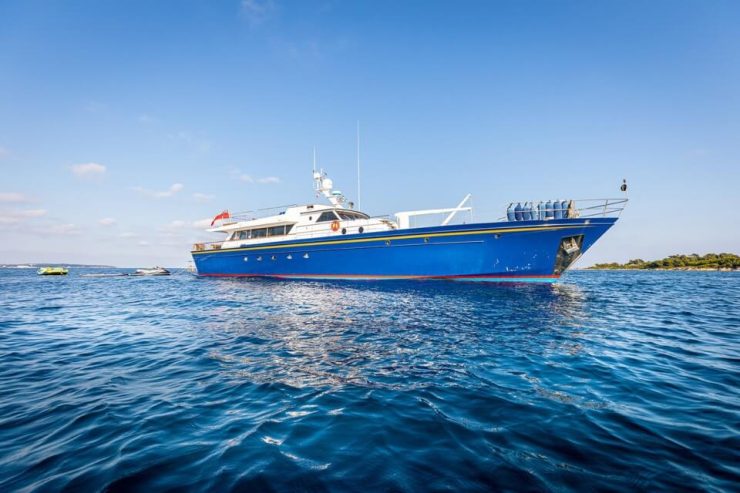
335 225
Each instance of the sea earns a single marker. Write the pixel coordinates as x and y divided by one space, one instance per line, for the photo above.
604 381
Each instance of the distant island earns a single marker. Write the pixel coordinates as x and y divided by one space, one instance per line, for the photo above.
710 261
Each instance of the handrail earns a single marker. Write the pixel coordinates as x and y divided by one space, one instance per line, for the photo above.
259 213
611 207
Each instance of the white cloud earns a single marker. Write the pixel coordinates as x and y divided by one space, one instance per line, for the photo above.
202 197
62 229
17 216
161 194
197 143
257 11
176 224
202 223
143 243
88 169
12 197
107 221
128 234
250 179
179 227
34 212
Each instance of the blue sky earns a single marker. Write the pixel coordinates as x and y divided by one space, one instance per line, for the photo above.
123 125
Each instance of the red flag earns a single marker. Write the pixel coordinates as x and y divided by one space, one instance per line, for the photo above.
223 215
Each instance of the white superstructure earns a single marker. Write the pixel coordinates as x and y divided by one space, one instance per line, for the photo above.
309 221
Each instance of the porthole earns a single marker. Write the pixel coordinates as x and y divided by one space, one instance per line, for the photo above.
289 257
361 230
273 257
246 259
387 242
344 231
426 239
259 259
497 236
305 255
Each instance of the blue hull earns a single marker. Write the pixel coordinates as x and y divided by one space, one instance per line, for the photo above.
504 251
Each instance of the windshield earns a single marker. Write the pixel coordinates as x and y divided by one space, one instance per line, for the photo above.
350 216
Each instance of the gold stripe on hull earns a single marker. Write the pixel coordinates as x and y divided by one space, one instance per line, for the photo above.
396 237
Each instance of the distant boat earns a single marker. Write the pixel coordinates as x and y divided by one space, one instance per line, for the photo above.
154 271
52 271
536 241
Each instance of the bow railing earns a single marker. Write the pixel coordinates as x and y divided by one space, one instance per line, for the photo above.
564 209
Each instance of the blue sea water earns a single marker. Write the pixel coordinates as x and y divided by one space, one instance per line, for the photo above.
621 381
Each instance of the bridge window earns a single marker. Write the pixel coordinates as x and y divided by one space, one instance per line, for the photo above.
259 233
326 216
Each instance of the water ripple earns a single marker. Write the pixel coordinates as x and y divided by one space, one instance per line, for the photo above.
608 381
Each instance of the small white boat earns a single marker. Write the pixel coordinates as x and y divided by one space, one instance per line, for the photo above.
154 271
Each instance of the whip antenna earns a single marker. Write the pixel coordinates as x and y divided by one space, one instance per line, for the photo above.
358 165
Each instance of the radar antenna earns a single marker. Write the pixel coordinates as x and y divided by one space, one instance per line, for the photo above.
323 185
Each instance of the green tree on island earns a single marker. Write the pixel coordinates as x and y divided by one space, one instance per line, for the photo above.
725 261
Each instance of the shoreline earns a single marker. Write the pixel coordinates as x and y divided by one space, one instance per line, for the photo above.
681 269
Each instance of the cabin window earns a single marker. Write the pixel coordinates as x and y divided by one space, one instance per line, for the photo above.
326 216
244 235
276 231
259 233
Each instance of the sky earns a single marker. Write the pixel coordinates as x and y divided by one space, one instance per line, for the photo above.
126 126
